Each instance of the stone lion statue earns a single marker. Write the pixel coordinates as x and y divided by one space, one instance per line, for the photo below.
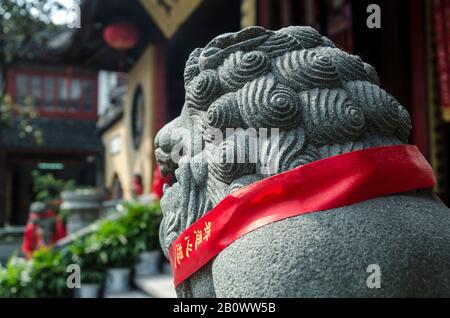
324 102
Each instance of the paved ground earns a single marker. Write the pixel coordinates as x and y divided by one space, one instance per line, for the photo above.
155 286
130 294
158 286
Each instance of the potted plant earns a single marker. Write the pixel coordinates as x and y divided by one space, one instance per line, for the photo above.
115 254
142 223
84 253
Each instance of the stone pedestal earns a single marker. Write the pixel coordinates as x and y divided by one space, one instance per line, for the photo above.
83 208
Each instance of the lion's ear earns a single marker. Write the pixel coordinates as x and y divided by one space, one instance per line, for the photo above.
223 45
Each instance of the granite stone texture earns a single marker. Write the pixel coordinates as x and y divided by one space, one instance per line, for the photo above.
324 102
326 254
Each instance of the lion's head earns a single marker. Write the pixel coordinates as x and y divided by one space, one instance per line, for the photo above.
318 100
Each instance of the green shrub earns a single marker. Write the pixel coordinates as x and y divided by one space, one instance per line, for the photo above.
47 187
112 245
49 273
85 254
142 224
118 243
15 279
44 276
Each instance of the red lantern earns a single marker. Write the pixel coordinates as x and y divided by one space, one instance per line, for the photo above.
121 35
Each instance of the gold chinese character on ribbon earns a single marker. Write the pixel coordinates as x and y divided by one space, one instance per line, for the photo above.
198 238
188 246
207 231
179 255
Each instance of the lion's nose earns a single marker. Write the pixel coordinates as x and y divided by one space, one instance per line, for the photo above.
165 137
164 142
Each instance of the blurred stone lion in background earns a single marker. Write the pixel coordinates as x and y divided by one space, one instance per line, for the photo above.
324 102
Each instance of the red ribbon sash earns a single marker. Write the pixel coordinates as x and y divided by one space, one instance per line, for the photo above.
321 185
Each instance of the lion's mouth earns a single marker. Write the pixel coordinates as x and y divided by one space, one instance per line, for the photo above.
172 180
167 167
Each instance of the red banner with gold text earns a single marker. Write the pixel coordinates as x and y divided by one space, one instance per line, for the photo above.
321 185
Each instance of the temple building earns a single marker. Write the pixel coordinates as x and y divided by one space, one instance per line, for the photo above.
64 96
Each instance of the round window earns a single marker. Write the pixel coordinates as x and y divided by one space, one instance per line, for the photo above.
137 117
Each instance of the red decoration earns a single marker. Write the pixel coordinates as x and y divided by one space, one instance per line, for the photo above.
159 181
34 235
442 28
321 185
33 239
138 189
121 35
